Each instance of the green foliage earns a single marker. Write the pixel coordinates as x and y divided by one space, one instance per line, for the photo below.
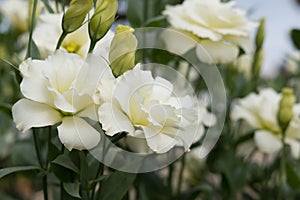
145 12
121 182
295 36
10 170
72 189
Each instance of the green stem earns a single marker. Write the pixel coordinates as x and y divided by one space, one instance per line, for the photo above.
48 147
170 178
179 184
31 27
38 154
45 187
83 167
61 39
100 170
92 46
36 146
282 176
61 183
99 173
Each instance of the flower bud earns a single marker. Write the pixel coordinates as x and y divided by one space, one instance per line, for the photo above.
102 19
286 105
76 14
122 50
260 35
257 62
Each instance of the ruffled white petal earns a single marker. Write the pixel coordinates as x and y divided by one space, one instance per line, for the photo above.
158 141
132 82
75 133
113 120
267 142
28 114
34 85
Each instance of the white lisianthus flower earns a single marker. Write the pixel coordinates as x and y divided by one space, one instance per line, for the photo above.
260 112
220 29
61 89
49 29
148 110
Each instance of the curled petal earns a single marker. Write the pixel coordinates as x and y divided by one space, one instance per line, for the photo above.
113 120
158 141
34 85
75 133
28 114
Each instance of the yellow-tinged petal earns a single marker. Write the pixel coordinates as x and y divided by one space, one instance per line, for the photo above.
216 52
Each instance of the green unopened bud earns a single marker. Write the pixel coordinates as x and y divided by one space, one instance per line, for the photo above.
76 14
260 35
102 19
286 105
122 50
257 62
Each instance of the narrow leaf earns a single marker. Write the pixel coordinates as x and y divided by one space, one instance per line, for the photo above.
10 170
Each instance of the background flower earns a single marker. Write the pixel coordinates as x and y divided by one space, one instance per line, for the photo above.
17 11
61 89
260 112
48 31
220 28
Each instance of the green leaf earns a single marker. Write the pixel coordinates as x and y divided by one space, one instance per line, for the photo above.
65 161
53 152
140 12
292 176
72 189
101 178
48 7
295 36
34 51
6 108
152 186
116 185
134 12
10 170
159 21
